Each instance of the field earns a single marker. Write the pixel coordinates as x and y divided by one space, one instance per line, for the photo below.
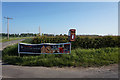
86 52
4 39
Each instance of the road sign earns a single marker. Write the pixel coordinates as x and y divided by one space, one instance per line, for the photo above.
44 48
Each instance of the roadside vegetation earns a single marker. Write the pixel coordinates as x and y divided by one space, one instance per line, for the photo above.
84 42
86 52
78 57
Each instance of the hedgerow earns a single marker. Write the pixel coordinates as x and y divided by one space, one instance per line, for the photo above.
81 41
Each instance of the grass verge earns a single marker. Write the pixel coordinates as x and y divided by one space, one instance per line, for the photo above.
78 57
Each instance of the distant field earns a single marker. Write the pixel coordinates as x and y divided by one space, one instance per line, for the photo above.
4 39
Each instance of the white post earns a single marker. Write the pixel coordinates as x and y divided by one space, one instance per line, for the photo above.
8 27
39 30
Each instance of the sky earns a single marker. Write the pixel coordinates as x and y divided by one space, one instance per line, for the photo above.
88 18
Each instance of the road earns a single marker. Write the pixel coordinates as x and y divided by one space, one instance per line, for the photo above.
11 71
2 46
5 44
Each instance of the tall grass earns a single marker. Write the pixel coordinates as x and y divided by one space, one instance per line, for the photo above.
78 57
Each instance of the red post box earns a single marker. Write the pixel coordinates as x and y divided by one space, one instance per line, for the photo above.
71 35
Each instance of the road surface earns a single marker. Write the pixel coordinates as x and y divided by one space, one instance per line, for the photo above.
5 44
2 46
12 71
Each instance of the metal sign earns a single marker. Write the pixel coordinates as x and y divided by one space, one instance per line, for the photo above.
44 48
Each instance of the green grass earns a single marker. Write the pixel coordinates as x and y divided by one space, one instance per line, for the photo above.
78 57
4 39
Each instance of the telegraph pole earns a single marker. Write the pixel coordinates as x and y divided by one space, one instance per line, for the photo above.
8 25
39 30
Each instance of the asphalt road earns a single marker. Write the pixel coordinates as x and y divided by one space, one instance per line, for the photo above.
5 44
2 46
11 71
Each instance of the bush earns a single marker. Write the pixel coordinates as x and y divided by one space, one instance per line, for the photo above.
28 40
11 50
